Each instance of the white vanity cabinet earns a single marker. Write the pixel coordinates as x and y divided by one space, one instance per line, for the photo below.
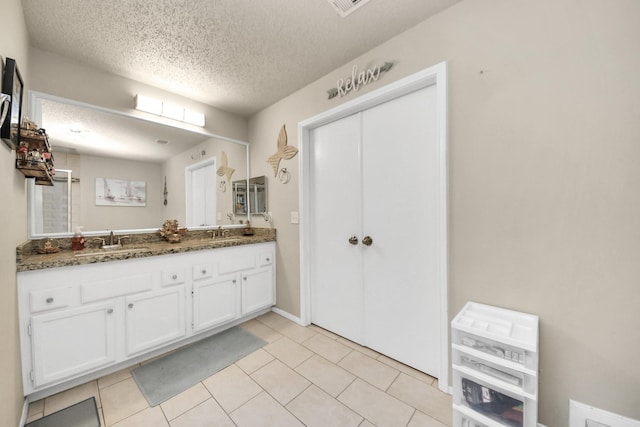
154 318
215 301
257 291
79 320
72 341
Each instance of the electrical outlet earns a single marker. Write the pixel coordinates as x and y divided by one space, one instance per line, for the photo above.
295 218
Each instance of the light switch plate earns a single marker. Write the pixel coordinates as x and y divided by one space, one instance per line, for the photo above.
295 218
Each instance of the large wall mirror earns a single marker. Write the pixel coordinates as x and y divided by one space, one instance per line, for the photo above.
122 173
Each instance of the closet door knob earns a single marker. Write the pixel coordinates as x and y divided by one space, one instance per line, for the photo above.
367 241
353 240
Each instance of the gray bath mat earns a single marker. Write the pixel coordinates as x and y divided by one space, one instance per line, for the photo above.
83 414
166 377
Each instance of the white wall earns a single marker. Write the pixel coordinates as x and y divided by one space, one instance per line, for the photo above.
13 217
543 168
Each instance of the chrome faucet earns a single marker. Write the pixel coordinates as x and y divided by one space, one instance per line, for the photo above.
112 235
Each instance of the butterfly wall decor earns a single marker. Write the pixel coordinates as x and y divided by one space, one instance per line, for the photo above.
284 151
224 168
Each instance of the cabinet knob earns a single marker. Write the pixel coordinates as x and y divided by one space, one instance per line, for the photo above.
353 240
174 277
268 259
204 271
234 280
130 305
367 241
244 278
49 300
109 311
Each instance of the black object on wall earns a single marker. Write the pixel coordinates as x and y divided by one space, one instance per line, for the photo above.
12 85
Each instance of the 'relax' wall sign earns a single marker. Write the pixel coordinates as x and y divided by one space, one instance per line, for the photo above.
358 79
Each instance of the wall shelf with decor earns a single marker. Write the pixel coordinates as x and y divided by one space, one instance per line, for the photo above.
495 367
34 158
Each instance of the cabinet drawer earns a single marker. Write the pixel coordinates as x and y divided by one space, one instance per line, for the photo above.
264 259
50 299
202 271
236 263
172 277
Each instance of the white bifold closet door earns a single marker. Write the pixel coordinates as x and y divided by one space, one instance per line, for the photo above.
377 174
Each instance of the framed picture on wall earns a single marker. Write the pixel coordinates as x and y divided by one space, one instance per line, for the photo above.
12 85
120 192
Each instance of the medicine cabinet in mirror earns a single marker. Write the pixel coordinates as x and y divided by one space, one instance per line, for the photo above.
96 148
256 197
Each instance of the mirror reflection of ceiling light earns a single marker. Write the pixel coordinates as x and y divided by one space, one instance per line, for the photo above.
168 110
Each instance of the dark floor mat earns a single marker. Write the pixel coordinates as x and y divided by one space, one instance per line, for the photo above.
83 414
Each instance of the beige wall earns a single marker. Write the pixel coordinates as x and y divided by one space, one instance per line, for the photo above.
13 217
544 171
94 217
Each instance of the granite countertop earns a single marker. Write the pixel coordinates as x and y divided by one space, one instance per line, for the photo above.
135 246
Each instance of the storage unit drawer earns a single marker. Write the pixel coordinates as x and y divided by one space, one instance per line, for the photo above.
492 347
49 299
488 401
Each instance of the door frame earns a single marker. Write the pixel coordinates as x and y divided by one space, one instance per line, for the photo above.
435 75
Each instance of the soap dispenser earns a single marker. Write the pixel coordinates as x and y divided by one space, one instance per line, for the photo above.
77 241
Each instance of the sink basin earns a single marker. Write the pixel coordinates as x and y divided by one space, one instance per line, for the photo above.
122 250
227 239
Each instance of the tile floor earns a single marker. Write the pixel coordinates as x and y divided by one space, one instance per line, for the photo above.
302 377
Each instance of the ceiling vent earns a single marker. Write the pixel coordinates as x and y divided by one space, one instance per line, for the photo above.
345 7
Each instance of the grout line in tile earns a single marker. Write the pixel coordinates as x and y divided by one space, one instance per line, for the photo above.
393 381
415 411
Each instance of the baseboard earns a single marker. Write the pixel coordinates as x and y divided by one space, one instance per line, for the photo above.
288 316
25 412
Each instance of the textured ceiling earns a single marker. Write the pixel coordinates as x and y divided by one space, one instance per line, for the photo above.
87 131
238 55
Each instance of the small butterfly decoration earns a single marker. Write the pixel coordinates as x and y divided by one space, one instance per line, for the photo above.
224 169
284 151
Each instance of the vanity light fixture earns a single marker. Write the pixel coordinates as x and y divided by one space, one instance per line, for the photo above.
168 110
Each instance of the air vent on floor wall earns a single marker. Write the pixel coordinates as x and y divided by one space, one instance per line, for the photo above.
345 7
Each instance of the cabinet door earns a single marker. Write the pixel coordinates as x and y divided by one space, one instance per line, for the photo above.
70 342
154 318
257 289
215 301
